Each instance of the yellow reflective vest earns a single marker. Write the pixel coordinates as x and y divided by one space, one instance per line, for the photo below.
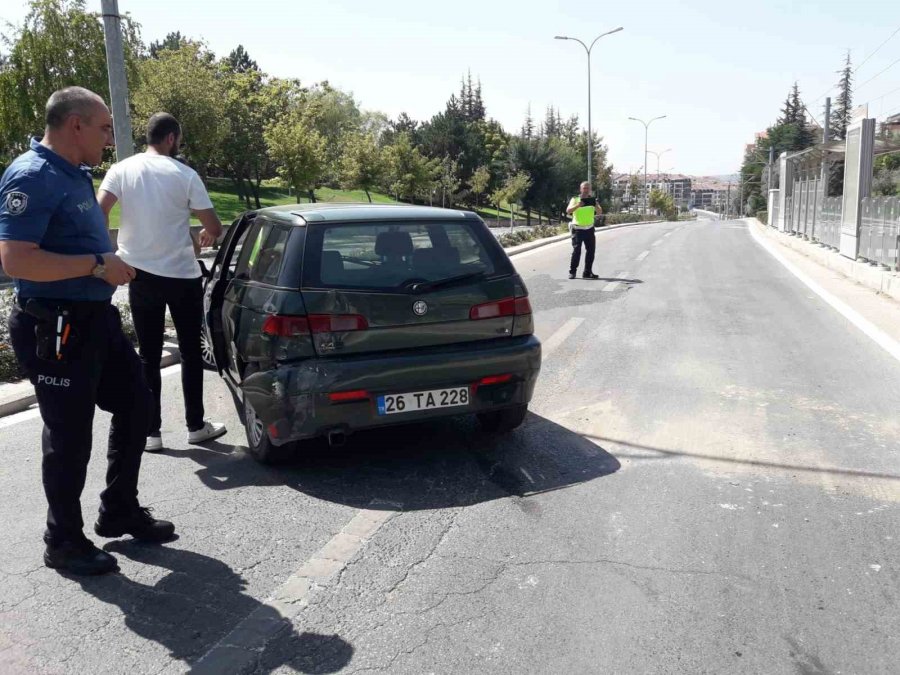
582 218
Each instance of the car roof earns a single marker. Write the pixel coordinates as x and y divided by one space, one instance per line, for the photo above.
334 212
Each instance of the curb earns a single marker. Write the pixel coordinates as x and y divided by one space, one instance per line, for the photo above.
531 245
20 403
881 281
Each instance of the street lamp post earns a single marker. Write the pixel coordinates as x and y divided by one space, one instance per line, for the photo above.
587 49
646 134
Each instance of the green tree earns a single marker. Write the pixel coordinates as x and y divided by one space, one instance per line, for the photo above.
239 61
515 189
481 179
662 202
172 41
251 103
362 166
336 116
59 44
408 172
843 103
498 199
300 152
448 180
184 83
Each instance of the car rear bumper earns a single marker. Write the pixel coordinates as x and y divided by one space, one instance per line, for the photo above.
293 403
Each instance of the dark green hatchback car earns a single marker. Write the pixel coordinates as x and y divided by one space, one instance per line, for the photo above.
326 319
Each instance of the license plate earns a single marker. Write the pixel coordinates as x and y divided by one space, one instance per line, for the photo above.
391 404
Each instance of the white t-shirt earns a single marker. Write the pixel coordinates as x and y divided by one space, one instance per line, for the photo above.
156 195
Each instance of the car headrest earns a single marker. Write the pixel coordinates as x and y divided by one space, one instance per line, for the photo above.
393 244
332 264
435 258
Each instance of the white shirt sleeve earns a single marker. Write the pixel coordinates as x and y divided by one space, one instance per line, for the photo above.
198 197
111 182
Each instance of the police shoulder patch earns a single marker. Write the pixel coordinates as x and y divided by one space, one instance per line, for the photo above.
15 203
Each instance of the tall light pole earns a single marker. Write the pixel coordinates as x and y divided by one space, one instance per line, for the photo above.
587 49
658 155
646 134
118 83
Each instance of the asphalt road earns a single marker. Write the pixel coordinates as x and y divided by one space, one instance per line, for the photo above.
708 483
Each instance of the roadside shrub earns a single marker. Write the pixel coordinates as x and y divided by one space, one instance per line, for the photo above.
9 367
763 217
536 232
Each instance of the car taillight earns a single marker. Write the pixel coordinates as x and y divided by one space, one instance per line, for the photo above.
296 326
285 326
499 308
336 323
347 396
491 379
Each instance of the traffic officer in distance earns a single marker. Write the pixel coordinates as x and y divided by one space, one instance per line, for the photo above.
67 335
583 209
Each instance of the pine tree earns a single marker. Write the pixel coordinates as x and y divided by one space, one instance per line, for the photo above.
478 111
840 115
528 126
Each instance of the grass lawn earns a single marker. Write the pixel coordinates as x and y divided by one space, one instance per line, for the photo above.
228 206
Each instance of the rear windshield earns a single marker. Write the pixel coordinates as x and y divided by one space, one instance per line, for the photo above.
395 256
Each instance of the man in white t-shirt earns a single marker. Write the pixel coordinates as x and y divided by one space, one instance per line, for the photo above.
158 194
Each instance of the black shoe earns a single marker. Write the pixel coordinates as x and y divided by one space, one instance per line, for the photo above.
79 557
138 523
590 275
571 275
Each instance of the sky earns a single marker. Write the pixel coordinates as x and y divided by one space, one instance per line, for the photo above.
718 72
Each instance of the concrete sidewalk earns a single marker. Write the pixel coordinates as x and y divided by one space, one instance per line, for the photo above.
871 293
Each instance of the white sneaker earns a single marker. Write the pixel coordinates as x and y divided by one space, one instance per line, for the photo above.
154 444
209 431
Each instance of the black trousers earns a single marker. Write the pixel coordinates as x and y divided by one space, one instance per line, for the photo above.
100 369
149 295
586 237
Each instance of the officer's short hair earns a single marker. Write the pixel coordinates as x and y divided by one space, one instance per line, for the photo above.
161 125
64 103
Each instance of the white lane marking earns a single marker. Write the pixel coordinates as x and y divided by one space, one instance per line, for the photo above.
657 242
245 641
613 285
554 341
667 234
885 341
23 416
642 256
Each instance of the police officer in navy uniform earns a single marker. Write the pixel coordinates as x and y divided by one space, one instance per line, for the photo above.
67 335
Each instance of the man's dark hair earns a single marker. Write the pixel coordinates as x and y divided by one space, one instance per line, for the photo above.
64 103
161 125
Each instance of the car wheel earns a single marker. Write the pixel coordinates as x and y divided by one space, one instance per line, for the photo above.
499 421
259 445
206 351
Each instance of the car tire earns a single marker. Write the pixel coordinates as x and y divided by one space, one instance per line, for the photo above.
259 445
501 421
206 352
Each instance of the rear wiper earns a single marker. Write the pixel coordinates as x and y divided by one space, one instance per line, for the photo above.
444 283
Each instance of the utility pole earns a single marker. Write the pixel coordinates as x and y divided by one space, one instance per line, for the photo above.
118 83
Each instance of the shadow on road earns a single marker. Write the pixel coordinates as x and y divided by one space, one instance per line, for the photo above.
442 464
664 453
196 604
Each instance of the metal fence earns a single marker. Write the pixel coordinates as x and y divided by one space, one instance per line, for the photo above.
828 222
879 236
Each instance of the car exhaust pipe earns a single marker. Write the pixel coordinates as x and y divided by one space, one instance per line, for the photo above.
336 439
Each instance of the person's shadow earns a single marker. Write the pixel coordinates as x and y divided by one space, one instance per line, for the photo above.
195 605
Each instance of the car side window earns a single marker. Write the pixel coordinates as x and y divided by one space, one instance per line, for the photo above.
250 249
265 266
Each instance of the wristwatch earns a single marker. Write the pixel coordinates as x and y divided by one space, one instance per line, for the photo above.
99 270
